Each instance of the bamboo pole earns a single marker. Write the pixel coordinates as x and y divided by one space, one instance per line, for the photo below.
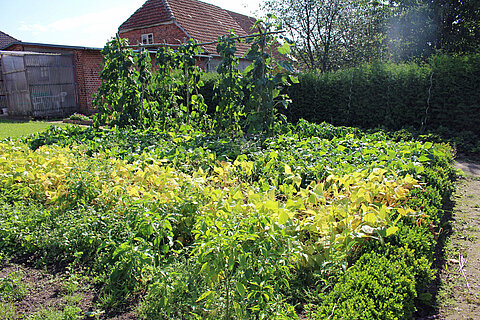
156 45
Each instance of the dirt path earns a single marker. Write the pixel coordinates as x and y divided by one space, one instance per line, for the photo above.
459 295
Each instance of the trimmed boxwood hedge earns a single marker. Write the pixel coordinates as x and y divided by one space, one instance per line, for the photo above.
389 281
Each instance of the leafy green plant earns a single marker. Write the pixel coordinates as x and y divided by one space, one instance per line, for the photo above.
265 78
378 286
204 226
12 288
118 99
229 91
79 116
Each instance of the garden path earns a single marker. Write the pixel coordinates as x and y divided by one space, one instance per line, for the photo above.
459 295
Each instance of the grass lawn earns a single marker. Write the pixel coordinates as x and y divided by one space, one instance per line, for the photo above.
15 129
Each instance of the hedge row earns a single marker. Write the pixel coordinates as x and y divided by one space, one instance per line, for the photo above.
444 92
391 280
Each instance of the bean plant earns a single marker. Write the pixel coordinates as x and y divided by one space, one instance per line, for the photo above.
133 94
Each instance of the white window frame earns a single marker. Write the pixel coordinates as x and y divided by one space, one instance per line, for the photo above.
147 38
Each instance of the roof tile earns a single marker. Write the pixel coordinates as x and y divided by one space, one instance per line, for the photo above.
201 21
5 40
150 13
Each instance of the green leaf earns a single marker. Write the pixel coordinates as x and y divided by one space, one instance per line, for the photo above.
285 65
423 159
288 170
284 49
204 268
370 218
392 230
205 295
241 289
283 217
271 205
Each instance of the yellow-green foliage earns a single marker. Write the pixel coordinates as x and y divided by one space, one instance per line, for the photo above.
50 173
212 228
332 213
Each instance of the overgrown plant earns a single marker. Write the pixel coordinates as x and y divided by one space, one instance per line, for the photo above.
229 88
131 96
120 98
281 222
265 77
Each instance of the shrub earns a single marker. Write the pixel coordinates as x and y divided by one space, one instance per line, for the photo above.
380 285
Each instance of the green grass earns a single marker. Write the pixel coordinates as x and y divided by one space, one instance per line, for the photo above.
16 129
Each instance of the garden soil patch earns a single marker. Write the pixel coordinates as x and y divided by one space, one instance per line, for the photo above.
52 292
459 295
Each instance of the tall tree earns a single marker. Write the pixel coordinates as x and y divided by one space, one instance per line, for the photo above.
458 24
418 28
330 34
411 30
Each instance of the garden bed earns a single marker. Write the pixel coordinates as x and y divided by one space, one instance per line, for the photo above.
313 221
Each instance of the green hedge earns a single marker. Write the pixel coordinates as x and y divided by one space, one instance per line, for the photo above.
378 286
442 93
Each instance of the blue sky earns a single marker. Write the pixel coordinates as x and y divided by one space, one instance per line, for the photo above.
89 23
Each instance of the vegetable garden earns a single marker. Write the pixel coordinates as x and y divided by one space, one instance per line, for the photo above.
193 219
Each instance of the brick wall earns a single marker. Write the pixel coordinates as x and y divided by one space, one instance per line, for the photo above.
168 33
88 68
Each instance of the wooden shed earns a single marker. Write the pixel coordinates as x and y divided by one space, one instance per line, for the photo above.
38 84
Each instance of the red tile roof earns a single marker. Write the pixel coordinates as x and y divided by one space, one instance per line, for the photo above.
5 40
201 21
150 13
243 21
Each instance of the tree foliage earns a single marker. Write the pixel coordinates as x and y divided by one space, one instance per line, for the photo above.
333 34
330 34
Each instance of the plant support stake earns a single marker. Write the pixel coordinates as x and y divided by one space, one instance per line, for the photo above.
155 45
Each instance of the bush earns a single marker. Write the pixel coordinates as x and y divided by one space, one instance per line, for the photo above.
380 285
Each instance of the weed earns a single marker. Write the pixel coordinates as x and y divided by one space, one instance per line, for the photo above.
12 288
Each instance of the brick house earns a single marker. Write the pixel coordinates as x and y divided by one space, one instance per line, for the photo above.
5 40
87 64
175 21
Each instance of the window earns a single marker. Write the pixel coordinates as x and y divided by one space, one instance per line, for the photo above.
212 65
147 38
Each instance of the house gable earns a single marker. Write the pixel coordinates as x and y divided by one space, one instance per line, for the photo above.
174 21
151 13
6 40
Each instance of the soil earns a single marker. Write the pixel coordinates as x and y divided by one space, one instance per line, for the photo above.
50 290
459 292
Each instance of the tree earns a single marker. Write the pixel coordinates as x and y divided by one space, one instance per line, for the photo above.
330 34
458 24
333 34
419 28
411 31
